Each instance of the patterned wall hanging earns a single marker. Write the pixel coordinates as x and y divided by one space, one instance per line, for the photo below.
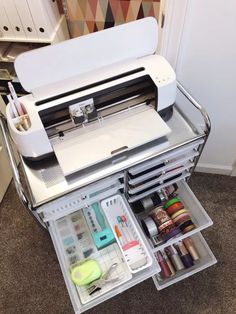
87 16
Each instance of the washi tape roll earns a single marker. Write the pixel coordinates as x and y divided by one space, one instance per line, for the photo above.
174 208
182 211
159 215
165 224
172 234
147 203
189 228
149 227
171 202
181 218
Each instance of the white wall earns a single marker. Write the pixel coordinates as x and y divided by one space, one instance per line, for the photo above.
206 66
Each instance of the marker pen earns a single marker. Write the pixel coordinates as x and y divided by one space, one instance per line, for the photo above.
168 262
184 255
165 270
174 257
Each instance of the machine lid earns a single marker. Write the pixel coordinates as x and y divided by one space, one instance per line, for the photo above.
71 58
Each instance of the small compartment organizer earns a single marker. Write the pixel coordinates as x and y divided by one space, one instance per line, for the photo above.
206 259
126 233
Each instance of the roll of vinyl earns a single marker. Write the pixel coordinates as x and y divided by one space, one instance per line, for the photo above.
149 227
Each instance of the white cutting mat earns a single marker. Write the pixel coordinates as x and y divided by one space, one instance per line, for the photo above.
94 143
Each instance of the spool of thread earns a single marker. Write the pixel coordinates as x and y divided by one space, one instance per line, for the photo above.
174 257
188 242
184 254
149 227
168 262
165 270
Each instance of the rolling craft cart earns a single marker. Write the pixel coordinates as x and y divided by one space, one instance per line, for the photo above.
126 150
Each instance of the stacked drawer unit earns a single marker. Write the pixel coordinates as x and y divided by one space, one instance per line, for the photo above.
151 177
161 171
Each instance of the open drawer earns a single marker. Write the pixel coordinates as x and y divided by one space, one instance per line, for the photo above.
63 229
206 259
196 211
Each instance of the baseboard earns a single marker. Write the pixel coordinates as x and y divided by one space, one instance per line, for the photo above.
213 168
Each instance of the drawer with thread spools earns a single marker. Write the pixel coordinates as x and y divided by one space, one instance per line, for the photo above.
176 217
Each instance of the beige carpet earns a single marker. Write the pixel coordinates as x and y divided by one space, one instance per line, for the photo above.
31 281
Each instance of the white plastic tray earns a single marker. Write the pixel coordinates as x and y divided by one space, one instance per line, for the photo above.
75 300
167 156
198 214
207 259
114 207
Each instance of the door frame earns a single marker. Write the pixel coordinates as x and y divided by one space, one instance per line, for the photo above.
174 13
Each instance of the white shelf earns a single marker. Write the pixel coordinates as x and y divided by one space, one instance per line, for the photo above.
61 28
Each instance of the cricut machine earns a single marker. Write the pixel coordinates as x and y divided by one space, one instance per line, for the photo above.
95 97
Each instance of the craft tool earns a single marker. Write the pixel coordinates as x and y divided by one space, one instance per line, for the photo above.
15 99
98 284
101 233
86 272
119 235
12 105
126 227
